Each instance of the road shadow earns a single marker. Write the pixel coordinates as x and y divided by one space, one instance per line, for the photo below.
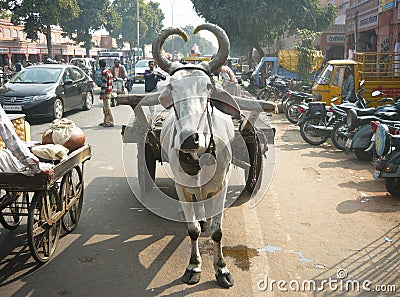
99 258
377 204
117 249
375 264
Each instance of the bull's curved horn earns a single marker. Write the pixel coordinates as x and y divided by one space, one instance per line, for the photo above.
223 45
158 42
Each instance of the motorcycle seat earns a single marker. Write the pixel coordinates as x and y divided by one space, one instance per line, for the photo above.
367 119
365 111
391 123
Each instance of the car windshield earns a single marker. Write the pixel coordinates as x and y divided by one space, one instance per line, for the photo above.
142 63
109 61
32 75
325 76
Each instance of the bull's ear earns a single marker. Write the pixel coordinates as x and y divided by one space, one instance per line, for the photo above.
165 98
224 102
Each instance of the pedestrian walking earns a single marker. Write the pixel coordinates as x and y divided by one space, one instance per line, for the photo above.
106 94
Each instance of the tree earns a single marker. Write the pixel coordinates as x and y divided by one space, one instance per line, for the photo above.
306 52
39 16
93 15
150 22
206 47
257 23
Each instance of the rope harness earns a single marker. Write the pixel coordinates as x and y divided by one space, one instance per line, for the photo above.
190 165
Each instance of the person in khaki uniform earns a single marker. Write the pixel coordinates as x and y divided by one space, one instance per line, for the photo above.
106 94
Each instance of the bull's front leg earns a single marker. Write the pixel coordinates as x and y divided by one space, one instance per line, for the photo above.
193 271
222 274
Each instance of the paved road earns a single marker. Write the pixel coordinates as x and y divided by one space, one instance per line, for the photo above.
322 213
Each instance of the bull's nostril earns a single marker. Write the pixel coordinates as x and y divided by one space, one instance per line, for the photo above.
191 142
196 138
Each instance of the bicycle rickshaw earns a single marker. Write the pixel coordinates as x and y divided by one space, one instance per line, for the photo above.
47 204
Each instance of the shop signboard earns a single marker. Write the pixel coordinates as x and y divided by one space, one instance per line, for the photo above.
4 50
80 51
370 20
33 51
387 4
335 38
18 50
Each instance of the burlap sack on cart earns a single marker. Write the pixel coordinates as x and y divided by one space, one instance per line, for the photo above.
65 132
50 151
62 130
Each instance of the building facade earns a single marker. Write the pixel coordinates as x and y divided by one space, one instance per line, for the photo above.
332 39
15 46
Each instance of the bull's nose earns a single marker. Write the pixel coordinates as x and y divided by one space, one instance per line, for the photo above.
189 140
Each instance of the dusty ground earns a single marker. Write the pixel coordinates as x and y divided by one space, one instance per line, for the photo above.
322 214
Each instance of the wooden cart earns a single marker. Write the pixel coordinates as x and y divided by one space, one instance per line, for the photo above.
48 204
248 156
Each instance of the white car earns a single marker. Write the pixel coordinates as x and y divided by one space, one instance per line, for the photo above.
140 67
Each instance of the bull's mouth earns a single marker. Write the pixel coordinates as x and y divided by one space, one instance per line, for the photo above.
188 163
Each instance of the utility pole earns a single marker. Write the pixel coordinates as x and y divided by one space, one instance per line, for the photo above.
137 25
172 2
356 31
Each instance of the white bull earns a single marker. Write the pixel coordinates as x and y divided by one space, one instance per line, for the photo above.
196 138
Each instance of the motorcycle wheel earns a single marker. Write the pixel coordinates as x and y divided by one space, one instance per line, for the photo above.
393 186
362 155
292 113
264 94
340 134
287 103
312 135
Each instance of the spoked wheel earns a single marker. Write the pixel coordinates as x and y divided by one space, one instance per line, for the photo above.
11 216
292 114
71 193
287 103
393 186
256 161
42 236
340 134
312 135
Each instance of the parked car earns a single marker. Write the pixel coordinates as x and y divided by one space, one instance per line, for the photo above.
47 90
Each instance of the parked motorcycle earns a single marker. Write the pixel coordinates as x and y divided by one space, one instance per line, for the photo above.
361 135
290 106
387 148
275 88
321 122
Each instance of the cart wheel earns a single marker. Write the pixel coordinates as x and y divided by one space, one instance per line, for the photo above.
42 236
147 173
256 159
11 217
71 188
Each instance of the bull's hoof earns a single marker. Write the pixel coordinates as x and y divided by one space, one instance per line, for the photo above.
224 279
191 277
203 226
